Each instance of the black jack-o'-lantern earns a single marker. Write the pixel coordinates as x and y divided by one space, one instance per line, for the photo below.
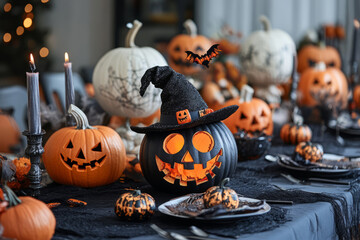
190 160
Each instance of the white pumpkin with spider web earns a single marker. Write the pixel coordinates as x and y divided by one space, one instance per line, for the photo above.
117 76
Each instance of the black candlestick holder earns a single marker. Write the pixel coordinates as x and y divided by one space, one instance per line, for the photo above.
34 150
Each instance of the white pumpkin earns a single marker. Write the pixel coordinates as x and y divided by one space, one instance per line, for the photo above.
267 56
117 76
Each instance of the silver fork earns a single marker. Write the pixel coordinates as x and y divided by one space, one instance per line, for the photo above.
176 236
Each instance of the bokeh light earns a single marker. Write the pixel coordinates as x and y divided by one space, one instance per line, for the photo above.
20 30
28 8
27 22
44 1
7 7
7 37
44 52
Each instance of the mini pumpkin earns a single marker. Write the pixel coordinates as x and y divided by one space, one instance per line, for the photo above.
295 133
23 166
187 42
309 55
135 205
321 86
84 156
253 114
188 160
117 75
27 218
10 129
310 151
221 195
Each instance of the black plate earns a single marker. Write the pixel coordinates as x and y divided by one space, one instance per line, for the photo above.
305 172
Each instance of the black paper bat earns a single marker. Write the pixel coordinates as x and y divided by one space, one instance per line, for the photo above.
203 59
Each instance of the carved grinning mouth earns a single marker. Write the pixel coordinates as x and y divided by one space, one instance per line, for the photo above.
260 130
198 174
182 119
90 165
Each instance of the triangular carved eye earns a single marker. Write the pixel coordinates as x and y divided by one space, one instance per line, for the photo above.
97 148
254 121
70 145
242 116
263 114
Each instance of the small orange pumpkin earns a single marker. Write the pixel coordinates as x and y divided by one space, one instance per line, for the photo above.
187 42
23 166
321 85
221 195
9 132
295 133
27 218
309 55
84 156
253 115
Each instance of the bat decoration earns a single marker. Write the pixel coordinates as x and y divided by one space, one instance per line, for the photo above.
206 58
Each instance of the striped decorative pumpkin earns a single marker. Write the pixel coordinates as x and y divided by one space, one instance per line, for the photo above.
309 151
295 133
217 195
135 205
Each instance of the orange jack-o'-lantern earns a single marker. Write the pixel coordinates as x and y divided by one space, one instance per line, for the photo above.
253 114
84 156
309 55
189 160
322 86
187 42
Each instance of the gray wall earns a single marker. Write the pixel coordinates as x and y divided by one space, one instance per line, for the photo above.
83 28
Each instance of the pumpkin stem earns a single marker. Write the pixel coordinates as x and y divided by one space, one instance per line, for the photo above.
320 66
190 27
12 198
130 37
80 117
246 94
224 182
265 22
136 193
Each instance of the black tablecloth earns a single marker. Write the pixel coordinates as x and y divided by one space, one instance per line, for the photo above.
97 220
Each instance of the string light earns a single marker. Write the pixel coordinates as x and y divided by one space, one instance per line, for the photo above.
44 52
44 1
27 22
28 8
19 30
7 7
7 37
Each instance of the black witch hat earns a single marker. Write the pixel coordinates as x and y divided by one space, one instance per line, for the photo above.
182 106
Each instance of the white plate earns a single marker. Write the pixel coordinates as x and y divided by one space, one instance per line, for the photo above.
163 209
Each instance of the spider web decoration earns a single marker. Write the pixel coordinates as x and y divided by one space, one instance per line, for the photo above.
123 91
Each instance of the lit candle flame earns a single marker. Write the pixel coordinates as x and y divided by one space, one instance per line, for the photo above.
66 57
356 23
32 63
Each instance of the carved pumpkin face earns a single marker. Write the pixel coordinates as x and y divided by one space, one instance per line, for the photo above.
189 160
309 55
252 116
86 157
177 56
322 86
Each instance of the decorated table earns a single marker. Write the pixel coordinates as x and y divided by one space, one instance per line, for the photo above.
319 210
